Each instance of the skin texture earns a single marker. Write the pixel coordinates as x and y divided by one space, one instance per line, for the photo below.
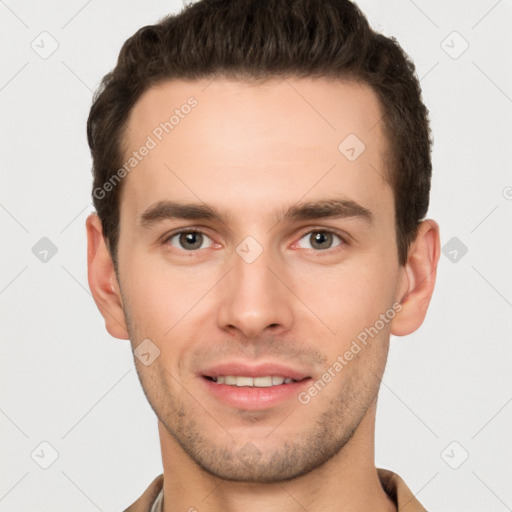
251 151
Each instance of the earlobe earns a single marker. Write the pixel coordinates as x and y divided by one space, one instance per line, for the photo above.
417 280
103 281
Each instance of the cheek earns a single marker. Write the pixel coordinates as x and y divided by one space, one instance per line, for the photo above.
162 297
339 299
348 299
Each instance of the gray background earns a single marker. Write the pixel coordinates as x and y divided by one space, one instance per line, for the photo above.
446 393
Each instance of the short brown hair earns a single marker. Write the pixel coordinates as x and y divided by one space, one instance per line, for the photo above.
264 39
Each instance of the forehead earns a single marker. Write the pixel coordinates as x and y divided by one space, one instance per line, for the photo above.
245 142
328 108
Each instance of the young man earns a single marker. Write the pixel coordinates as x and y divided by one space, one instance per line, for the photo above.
261 176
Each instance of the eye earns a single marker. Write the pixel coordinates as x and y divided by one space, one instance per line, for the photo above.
320 240
189 240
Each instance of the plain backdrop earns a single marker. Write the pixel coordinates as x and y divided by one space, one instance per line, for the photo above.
71 399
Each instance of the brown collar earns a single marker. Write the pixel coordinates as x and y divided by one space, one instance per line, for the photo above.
394 486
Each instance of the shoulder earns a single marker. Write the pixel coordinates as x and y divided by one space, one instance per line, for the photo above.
144 503
398 491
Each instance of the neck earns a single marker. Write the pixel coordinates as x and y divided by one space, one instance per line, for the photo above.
346 482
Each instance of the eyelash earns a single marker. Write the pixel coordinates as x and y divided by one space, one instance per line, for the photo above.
342 238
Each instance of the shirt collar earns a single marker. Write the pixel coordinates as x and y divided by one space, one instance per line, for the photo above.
394 486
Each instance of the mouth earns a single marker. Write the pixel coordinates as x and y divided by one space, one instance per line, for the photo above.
255 388
245 386
266 381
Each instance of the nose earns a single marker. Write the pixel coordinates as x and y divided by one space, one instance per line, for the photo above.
254 297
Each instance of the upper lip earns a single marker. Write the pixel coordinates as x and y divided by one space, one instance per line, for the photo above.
260 370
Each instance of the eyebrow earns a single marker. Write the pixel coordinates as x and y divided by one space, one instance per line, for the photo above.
322 209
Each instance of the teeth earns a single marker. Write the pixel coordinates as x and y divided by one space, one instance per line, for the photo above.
257 382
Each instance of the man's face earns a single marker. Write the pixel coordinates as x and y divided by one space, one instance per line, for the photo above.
257 286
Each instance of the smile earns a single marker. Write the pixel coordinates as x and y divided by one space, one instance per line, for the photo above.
258 382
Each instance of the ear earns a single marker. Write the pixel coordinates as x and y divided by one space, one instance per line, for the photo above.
103 281
417 280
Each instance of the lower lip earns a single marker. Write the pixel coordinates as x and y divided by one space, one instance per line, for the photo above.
253 398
